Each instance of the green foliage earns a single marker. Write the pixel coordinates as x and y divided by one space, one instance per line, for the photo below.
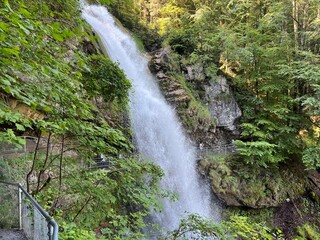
129 13
10 137
41 59
9 217
106 79
307 232
193 226
258 216
9 170
260 153
181 42
49 89
311 157
46 78
237 227
241 227
70 231
120 197
273 67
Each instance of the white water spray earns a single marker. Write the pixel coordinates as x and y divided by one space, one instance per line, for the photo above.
158 133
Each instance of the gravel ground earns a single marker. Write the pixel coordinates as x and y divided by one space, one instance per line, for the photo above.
12 234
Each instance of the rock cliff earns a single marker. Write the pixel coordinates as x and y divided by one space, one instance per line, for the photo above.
222 105
205 106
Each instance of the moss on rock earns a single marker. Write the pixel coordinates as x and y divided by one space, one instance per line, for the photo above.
238 184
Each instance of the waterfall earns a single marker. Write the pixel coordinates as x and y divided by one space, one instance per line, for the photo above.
159 135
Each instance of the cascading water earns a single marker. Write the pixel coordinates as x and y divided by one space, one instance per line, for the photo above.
158 133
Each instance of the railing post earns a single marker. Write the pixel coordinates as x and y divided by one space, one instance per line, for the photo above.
25 145
50 231
53 230
20 207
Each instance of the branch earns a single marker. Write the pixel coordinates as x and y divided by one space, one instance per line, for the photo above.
33 162
85 204
317 125
60 164
45 163
294 19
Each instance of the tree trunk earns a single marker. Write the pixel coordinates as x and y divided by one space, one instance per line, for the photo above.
295 22
60 163
33 162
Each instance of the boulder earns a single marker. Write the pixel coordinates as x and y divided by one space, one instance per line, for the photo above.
161 75
222 105
160 61
195 72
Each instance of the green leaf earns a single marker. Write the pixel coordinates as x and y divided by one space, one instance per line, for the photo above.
3 27
47 109
26 31
58 37
5 82
20 127
10 51
25 12
6 3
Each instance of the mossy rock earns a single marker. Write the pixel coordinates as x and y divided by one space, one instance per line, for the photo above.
251 186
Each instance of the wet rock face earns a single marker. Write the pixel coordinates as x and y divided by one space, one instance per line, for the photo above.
222 105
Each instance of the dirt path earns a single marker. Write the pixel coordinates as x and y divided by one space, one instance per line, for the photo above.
12 234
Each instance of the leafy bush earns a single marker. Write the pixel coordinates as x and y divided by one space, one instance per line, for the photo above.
194 226
242 228
70 231
181 42
260 153
106 79
307 232
311 157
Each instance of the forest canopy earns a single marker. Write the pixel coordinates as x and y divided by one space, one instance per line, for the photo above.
270 52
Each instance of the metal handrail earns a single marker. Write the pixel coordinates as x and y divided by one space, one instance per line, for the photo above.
52 225
223 148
